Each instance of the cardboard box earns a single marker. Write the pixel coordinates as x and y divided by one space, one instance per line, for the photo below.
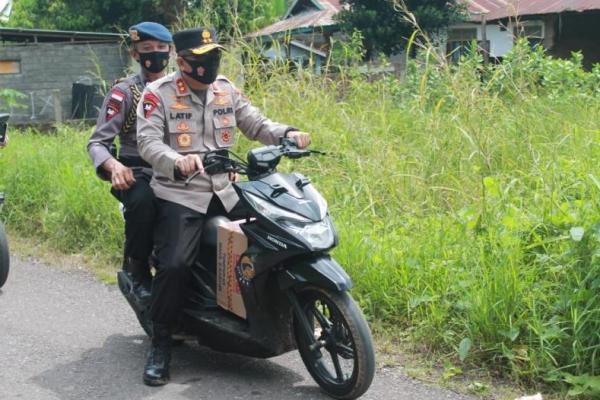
231 243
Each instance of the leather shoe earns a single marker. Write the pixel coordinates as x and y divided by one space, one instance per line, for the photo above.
156 372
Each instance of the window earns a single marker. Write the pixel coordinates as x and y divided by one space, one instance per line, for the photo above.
10 67
459 42
533 31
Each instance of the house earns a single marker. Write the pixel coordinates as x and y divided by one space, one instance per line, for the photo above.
561 26
59 72
304 33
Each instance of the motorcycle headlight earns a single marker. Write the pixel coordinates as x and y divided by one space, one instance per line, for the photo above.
320 235
273 212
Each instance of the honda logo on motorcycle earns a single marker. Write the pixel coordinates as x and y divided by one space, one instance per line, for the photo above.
277 242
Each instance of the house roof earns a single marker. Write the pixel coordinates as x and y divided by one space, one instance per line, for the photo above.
497 9
46 35
314 14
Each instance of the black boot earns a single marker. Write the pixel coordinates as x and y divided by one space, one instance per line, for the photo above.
140 275
156 372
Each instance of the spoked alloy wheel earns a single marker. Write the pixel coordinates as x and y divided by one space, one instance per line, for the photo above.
4 256
335 342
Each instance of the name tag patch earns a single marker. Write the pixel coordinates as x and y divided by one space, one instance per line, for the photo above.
223 111
178 116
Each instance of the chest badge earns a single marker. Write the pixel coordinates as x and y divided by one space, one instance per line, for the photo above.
183 127
222 101
184 140
226 136
179 105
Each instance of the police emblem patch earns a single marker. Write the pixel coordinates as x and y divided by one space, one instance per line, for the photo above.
150 104
246 271
184 140
206 37
135 36
226 136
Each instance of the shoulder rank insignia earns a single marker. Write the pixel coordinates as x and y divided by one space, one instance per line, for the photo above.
181 87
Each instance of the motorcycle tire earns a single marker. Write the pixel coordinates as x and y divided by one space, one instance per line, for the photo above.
4 256
333 333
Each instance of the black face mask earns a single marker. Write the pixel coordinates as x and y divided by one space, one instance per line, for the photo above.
209 63
154 61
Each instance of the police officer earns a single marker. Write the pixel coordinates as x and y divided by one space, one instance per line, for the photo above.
130 175
180 117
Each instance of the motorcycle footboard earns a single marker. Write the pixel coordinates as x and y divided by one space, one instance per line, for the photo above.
225 332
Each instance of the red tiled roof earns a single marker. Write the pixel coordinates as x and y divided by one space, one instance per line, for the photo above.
496 9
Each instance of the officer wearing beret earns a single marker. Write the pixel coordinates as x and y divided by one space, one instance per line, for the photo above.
129 174
181 117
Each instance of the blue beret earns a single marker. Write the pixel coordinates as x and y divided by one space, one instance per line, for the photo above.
149 31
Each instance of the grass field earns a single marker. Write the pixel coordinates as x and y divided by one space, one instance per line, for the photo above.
466 198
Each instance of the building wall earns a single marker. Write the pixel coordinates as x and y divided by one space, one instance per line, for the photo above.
47 68
577 32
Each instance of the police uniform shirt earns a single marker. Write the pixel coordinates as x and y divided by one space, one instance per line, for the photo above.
109 125
174 121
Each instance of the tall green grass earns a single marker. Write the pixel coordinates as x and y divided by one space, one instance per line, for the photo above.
466 199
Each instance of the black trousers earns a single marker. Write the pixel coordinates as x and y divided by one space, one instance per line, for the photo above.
140 216
177 244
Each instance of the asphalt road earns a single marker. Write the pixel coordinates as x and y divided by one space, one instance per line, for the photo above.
64 335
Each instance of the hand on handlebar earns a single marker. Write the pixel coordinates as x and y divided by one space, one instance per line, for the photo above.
302 138
189 164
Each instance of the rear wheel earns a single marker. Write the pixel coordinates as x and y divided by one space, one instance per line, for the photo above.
334 342
4 256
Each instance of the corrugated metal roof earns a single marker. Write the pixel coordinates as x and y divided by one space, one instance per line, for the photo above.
305 20
47 35
496 9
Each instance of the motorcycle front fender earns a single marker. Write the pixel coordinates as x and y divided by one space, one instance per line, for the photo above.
322 271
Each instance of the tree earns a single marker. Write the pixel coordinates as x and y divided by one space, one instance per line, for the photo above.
85 15
384 26
116 15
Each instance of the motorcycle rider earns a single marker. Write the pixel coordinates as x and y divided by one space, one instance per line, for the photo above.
180 117
151 44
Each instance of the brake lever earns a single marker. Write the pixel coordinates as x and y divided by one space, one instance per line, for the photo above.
192 177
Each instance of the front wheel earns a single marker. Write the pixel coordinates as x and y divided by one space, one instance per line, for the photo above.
334 342
4 256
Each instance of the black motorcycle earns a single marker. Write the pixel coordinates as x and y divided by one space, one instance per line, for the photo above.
295 294
4 255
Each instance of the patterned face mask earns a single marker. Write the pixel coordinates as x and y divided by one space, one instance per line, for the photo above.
154 61
205 68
